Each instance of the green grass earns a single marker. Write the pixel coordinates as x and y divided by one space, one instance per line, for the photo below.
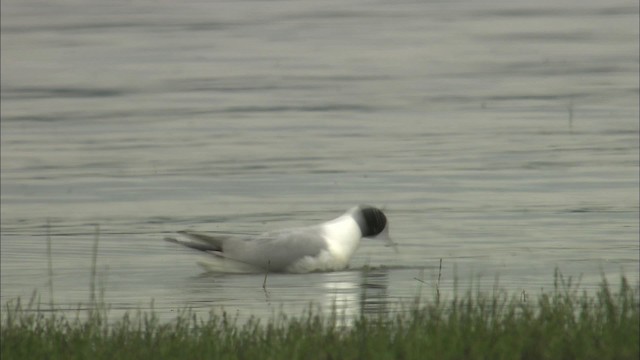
561 324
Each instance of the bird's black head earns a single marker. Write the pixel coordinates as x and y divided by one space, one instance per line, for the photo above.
373 221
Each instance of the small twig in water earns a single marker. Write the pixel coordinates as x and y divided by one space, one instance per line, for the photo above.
264 283
419 290
50 263
94 261
438 283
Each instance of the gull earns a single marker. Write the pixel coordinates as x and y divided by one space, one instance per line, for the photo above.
324 247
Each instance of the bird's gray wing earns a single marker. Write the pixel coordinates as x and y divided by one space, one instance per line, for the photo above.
215 241
276 250
203 242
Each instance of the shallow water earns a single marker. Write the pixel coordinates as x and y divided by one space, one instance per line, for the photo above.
500 137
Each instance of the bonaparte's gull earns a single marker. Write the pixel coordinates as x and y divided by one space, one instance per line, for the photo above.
323 247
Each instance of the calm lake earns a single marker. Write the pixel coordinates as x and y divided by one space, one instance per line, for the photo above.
501 137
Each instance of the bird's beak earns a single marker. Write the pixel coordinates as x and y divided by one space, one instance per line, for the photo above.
384 236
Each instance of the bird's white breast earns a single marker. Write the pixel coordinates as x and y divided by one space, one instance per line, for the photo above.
343 237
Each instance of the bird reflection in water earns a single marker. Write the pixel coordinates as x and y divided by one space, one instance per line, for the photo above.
374 296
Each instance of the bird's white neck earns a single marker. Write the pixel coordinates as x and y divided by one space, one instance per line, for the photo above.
343 237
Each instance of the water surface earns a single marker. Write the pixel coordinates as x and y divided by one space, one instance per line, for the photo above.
500 137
